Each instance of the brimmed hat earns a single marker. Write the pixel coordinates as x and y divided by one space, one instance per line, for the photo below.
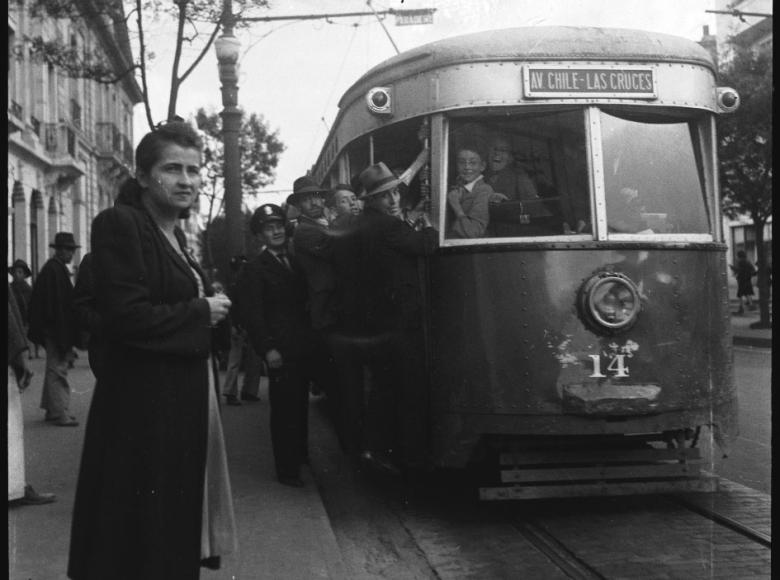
19 263
305 186
64 240
267 212
377 179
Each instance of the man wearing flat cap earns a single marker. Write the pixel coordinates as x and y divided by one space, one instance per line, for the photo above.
272 298
388 309
53 325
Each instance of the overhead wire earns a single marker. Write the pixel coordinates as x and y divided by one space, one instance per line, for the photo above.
332 89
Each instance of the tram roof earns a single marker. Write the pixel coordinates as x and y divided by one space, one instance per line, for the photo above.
534 43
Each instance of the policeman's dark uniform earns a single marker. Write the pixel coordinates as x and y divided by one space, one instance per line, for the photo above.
273 302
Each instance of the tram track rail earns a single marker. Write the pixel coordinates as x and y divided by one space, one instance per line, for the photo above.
726 521
569 563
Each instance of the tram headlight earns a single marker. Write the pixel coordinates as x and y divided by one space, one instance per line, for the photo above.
728 100
610 301
380 100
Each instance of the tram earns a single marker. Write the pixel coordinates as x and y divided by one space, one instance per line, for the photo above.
581 341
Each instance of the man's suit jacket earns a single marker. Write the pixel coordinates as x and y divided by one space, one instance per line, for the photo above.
273 307
389 286
51 307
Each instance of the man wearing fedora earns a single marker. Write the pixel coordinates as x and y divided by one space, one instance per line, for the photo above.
313 252
383 263
53 325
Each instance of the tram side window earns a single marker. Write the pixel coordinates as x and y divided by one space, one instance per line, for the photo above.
652 183
518 176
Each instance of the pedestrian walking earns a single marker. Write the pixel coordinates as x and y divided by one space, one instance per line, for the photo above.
153 497
744 272
52 324
272 292
19 375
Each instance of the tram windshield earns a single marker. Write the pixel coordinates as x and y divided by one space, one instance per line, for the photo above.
651 180
525 175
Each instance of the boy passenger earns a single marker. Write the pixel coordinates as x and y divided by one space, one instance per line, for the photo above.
469 199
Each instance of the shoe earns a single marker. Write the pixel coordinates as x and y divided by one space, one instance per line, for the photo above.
248 397
233 400
50 418
32 497
67 422
291 481
212 562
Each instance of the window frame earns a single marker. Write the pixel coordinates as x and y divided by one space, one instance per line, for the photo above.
706 162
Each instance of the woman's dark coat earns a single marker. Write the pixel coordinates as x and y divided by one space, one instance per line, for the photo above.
139 499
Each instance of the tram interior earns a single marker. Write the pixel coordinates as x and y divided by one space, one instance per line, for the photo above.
537 162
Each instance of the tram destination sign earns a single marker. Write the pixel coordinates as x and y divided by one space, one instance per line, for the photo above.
615 82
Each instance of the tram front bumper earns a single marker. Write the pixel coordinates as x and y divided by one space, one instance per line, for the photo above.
610 399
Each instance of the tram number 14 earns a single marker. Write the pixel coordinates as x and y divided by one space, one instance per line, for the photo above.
617 366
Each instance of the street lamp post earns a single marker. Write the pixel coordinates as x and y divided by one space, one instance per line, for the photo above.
227 47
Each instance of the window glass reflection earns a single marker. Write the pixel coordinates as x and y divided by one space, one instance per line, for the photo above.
651 180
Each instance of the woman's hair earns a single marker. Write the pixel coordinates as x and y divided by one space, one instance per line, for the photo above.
173 132
148 153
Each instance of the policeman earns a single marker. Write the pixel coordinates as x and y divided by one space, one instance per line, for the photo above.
273 299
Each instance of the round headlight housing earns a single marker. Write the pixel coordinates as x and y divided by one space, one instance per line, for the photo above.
610 301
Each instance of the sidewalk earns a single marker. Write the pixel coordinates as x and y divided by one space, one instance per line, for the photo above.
743 334
284 533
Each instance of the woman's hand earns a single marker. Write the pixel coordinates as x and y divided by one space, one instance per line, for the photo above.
219 305
274 359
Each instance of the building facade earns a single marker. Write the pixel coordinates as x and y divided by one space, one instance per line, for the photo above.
70 139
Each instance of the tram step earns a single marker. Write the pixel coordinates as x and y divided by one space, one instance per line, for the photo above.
610 456
601 472
702 483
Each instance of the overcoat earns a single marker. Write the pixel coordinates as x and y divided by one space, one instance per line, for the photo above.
51 307
272 300
139 499
390 292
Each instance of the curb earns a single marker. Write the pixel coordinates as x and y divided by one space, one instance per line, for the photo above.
753 341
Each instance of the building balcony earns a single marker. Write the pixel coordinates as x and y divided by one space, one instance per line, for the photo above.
60 144
15 117
35 125
75 113
112 144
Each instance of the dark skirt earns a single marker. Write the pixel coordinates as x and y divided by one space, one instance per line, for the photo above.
744 288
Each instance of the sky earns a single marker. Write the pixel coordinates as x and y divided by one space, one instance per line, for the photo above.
293 73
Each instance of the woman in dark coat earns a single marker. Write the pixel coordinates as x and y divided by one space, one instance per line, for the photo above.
744 272
153 499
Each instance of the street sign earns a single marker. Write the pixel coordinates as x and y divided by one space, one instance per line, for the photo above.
412 17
